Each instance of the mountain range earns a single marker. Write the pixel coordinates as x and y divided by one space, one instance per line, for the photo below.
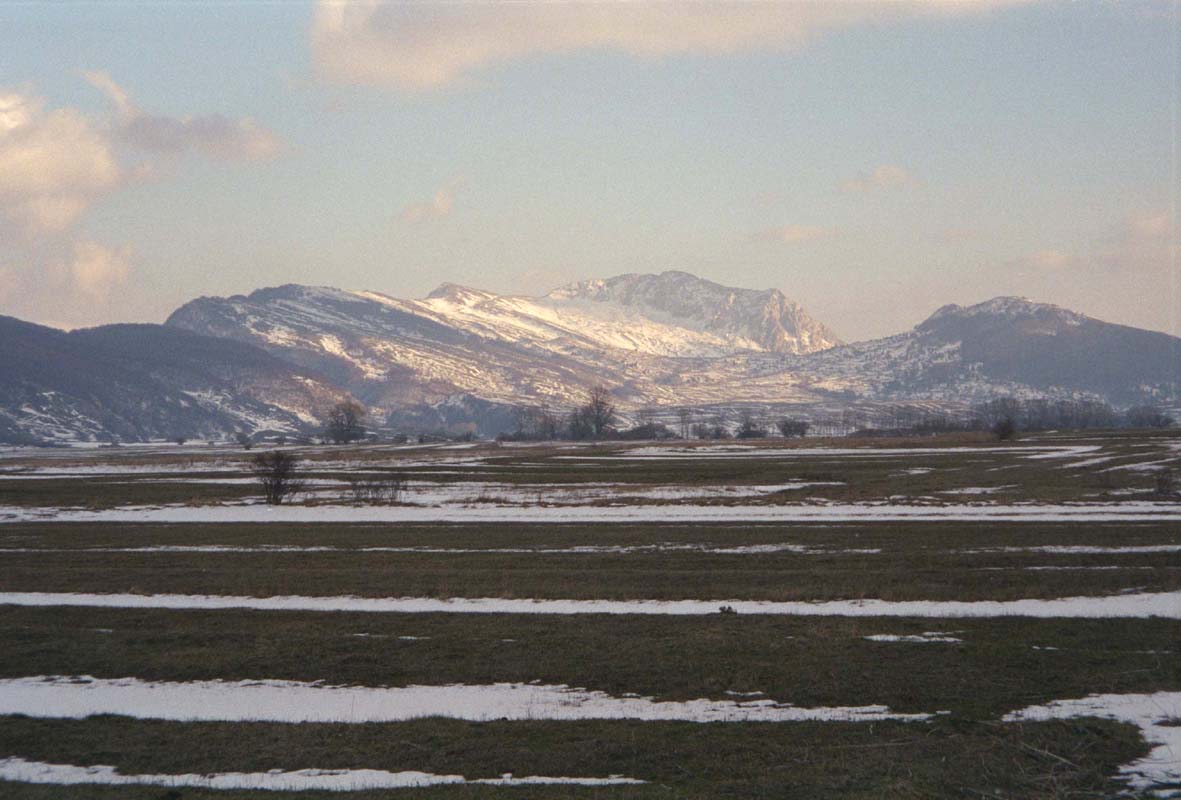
276 358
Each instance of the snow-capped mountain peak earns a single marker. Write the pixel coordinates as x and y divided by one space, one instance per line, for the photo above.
1008 308
673 339
759 320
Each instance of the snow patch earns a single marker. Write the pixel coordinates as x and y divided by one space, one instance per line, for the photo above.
1142 605
1160 770
325 780
77 697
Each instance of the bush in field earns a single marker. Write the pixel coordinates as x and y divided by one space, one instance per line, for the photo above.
243 439
1147 417
749 428
702 430
383 490
1005 429
648 430
792 428
278 475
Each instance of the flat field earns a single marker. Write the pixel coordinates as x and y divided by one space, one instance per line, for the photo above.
935 617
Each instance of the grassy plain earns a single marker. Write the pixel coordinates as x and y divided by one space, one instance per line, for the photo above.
1000 665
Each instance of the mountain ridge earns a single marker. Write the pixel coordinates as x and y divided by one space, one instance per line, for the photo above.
470 356
671 339
135 381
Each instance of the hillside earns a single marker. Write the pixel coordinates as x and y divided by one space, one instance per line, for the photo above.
138 382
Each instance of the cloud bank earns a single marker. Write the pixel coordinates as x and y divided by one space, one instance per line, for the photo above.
796 234
53 164
429 45
213 135
883 176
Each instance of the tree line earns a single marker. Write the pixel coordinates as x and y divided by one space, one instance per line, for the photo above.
598 419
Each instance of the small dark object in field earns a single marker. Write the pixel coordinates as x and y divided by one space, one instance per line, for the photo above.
277 473
727 610
791 428
1166 483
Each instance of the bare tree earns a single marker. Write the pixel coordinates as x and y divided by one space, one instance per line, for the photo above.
536 423
594 419
278 475
600 411
344 423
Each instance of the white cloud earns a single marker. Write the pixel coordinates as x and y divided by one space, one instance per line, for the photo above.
53 164
436 207
427 45
1141 244
66 284
795 234
1049 260
95 271
1150 225
883 176
213 135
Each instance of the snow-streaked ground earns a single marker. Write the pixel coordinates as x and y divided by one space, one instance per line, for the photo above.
76 697
20 770
755 451
824 512
1079 549
1156 604
590 549
1159 771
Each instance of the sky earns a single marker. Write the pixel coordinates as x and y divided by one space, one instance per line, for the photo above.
873 160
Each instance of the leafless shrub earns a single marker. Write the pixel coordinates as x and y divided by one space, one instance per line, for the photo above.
278 475
380 490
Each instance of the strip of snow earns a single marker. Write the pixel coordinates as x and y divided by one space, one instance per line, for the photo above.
324 780
76 697
978 490
922 638
1090 512
1084 549
746 451
1143 466
1160 770
590 549
1158 604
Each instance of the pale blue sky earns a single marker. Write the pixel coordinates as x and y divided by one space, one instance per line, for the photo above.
893 159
